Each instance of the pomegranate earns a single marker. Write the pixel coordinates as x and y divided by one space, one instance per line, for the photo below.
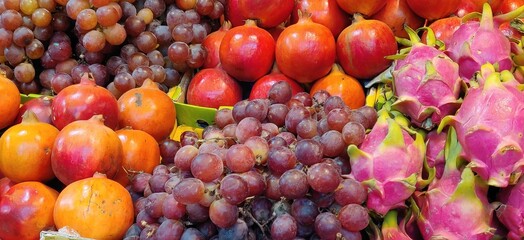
261 87
267 13
85 147
432 10
232 13
396 14
444 28
41 107
367 8
212 45
363 46
305 51
82 101
256 42
327 13
213 87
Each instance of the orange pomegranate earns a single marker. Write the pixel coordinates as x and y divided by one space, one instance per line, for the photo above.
95 207
25 150
10 99
26 209
338 83
141 154
149 109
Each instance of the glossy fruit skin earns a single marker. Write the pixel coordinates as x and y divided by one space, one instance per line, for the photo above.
432 10
305 51
267 13
395 14
326 12
247 52
443 28
362 46
95 207
25 150
213 87
337 83
85 147
149 109
40 106
10 99
26 209
261 87
507 6
212 45
367 8
141 154
232 13
82 101
5 185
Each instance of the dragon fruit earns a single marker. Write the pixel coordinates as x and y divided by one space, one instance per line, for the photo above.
456 205
426 82
490 127
477 43
391 229
511 209
389 163
435 143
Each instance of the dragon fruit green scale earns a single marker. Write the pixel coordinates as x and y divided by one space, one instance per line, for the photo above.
490 128
427 84
389 163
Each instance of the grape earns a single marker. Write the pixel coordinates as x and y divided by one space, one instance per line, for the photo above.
323 177
214 135
280 92
43 33
134 26
307 128
272 187
370 114
229 133
284 227
192 16
197 56
47 4
185 156
182 33
353 217
204 7
133 231
11 19
357 117
233 189
124 82
277 114
6 38
293 184
156 58
24 72
128 9
281 159
157 7
304 211
41 17
239 231
337 119
66 66
172 209
256 184
86 19
210 194
304 97
322 200
61 81
218 10
333 102
333 143
138 59
288 137
350 235
261 209
74 7
163 34
239 110
178 51
353 133
168 149
260 148
189 190
294 116
350 191
100 74
157 181
94 41
170 229
175 17
223 117
197 213
207 167
327 225
304 231
143 219
309 152
223 214
199 33
320 96
192 234
149 231
141 73
14 54
30 88
45 77
172 77
294 103
115 34
208 228
257 108
240 158
246 128
146 41
61 22
154 204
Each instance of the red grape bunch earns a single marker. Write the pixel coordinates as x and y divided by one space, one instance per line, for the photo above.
271 168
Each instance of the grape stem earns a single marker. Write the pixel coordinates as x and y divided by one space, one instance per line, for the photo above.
261 226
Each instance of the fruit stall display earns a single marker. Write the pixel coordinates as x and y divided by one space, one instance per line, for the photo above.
246 119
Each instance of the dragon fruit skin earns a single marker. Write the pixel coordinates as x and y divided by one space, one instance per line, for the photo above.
389 163
427 84
490 125
391 229
511 211
435 143
476 43
456 205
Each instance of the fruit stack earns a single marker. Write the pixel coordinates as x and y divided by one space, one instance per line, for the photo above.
330 119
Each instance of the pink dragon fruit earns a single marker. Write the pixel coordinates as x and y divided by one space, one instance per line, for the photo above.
389 163
391 229
490 127
426 82
511 211
456 205
477 43
435 143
